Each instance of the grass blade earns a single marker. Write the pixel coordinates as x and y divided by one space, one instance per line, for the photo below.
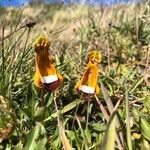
129 141
84 137
65 109
110 134
136 84
111 110
63 137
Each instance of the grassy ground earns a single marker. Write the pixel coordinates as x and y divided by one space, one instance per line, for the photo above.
118 118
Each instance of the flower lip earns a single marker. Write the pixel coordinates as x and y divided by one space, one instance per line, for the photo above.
52 86
87 89
49 79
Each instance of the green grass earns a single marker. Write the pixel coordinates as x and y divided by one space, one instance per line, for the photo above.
121 116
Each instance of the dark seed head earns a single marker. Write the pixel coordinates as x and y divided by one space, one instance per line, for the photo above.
30 24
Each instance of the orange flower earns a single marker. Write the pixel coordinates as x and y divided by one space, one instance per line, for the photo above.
88 83
46 75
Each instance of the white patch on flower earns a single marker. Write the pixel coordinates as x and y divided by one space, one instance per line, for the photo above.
87 89
49 79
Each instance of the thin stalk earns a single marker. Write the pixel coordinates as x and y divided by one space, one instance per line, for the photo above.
129 141
87 115
108 52
137 83
77 107
19 65
74 117
42 97
15 29
84 138
3 56
57 32
102 108
11 67
11 33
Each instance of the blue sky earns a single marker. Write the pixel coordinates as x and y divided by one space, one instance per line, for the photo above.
21 2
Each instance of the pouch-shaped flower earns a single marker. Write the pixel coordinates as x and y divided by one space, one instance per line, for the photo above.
46 75
89 81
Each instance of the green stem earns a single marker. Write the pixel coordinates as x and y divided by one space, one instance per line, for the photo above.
84 138
87 116
3 56
129 141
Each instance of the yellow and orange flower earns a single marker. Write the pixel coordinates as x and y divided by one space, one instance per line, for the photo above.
89 81
46 75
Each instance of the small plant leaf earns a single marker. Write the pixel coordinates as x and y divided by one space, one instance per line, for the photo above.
145 126
88 135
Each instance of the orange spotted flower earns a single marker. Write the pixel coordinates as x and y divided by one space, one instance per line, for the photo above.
46 75
89 81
